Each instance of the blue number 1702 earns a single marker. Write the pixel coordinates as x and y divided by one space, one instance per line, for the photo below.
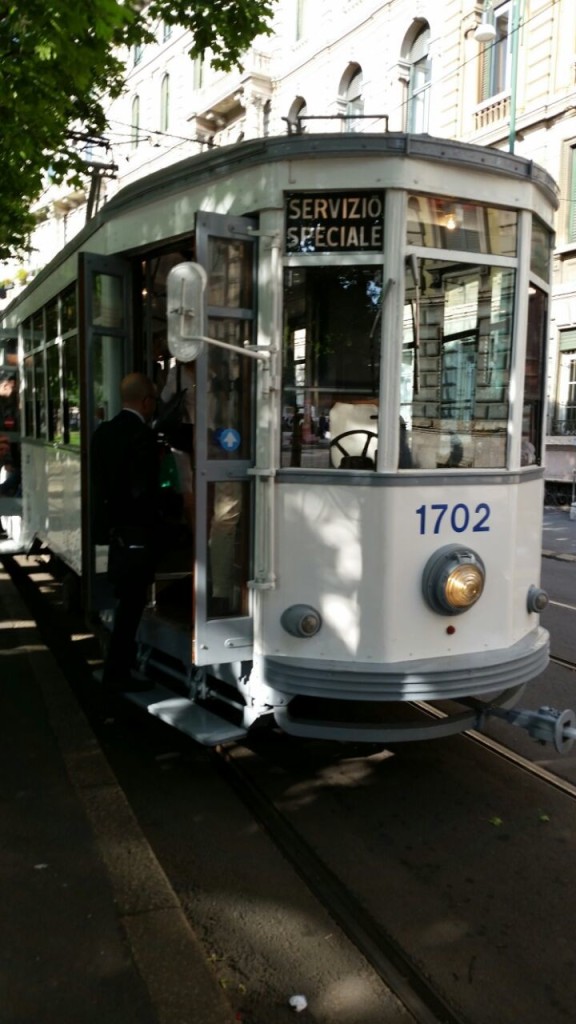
457 518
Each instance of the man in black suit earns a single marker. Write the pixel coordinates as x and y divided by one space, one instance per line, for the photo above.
126 501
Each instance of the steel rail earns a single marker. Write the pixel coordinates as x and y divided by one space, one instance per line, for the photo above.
508 755
392 964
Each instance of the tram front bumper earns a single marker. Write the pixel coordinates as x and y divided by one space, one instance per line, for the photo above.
447 678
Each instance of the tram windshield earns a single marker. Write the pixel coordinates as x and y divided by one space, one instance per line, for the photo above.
456 361
331 364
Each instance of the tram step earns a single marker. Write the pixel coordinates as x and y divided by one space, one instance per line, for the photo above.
202 725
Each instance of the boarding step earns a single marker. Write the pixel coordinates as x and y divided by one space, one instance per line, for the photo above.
202 725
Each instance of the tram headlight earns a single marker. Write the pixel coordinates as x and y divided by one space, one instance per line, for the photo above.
453 580
301 620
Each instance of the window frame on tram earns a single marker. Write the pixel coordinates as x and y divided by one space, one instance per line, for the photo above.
51 376
457 240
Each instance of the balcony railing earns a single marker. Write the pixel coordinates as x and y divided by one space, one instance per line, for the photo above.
565 420
496 109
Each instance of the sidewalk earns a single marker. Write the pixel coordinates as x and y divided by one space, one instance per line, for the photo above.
92 932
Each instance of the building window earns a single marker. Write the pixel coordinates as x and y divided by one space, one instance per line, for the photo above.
138 53
571 224
419 77
297 112
197 73
350 99
165 104
564 421
300 20
570 410
495 57
166 32
135 121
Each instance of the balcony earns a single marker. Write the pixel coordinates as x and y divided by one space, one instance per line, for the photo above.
225 98
492 111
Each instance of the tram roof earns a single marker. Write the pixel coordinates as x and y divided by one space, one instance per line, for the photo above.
273 149
255 152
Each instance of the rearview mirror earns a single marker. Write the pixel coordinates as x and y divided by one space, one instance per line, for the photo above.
186 286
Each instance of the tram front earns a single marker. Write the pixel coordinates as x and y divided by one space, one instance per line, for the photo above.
405 518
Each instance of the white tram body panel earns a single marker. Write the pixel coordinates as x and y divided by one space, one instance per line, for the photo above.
364 557
365 519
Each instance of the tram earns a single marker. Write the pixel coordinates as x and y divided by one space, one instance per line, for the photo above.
359 325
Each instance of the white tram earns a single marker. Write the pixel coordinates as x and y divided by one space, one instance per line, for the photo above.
359 323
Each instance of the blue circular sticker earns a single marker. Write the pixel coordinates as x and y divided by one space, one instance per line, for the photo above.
228 439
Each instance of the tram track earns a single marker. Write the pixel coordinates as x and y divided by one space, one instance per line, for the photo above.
506 754
403 973
392 964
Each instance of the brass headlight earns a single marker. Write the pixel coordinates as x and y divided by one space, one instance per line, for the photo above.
453 580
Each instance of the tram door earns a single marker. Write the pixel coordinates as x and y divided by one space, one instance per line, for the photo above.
105 319
224 442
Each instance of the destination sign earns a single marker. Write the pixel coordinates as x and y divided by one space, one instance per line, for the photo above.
334 222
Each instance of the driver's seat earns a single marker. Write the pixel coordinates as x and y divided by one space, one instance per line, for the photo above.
360 416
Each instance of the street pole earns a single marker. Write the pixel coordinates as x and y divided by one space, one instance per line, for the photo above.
515 41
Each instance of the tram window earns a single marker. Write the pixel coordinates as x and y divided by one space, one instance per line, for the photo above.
229 391
534 377
55 425
52 320
443 223
9 390
107 371
29 412
27 335
39 395
331 361
107 301
456 363
38 329
228 548
230 273
540 249
71 411
69 310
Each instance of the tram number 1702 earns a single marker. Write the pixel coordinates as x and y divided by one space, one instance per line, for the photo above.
458 518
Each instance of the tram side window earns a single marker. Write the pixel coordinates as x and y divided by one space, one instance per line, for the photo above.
34 396
9 387
456 363
71 410
29 408
534 378
55 425
40 402
461 226
331 370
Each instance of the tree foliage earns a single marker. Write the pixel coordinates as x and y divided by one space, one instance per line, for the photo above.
59 59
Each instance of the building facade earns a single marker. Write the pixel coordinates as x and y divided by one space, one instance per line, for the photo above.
364 66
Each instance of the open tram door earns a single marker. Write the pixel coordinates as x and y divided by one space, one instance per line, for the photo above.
105 319
226 249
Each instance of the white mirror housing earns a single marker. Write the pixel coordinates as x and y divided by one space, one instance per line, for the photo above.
186 287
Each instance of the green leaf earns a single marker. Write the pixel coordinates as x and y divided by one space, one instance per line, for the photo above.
60 61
